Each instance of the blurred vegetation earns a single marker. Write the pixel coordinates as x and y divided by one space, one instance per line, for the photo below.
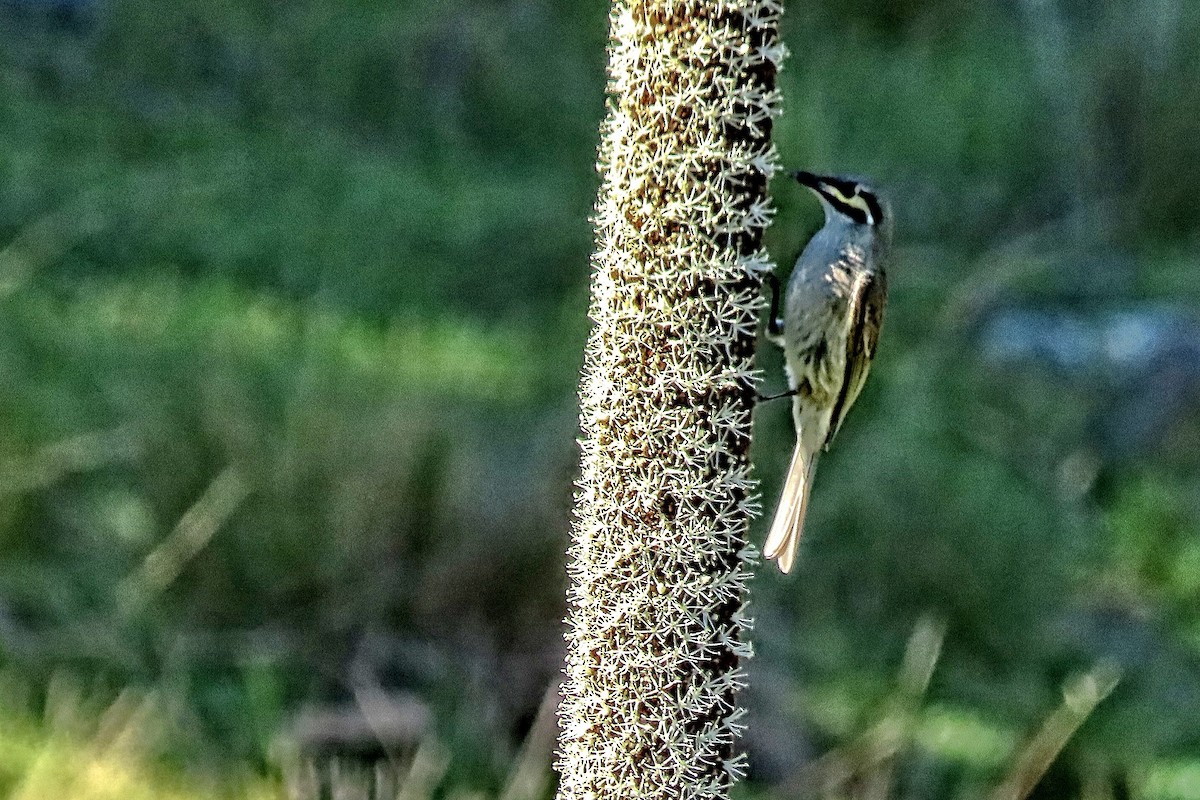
292 298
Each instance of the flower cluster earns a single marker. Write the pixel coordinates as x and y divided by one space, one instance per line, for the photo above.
659 559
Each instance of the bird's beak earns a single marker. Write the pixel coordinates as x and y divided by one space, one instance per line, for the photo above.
807 179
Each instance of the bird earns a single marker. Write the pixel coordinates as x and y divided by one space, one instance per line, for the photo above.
832 315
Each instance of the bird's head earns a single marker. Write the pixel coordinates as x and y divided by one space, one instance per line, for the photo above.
851 198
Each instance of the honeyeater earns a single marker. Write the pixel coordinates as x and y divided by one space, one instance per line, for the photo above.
832 313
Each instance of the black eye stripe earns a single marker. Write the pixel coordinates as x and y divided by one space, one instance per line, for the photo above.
876 208
847 188
854 213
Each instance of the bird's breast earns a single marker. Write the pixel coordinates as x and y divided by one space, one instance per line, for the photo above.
819 296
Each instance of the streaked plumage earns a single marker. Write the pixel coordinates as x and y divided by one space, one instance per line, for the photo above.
833 311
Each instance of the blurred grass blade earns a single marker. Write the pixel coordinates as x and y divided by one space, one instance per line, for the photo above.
527 780
193 532
1080 698
43 242
83 453
895 731
921 655
870 758
429 767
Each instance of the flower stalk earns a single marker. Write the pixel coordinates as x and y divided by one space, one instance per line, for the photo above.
659 558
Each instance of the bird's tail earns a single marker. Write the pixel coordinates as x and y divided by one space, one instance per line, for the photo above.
784 537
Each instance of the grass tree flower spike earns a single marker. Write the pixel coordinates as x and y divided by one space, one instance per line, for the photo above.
659 558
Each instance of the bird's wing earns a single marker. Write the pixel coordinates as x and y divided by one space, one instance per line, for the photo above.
865 320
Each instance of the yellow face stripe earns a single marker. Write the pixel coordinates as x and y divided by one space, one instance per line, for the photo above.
853 201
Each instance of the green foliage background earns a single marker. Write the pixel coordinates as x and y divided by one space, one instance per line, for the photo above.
341 249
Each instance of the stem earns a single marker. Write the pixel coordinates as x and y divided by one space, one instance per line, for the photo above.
659 559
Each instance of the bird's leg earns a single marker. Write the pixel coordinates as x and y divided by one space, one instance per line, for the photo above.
765 398
774 332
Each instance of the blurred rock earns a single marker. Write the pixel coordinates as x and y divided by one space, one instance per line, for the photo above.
384 723
73 14
1120 343
1146 359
